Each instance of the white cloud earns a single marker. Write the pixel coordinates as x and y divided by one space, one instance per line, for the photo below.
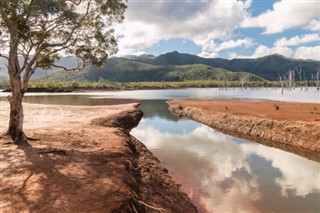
205 22
212 49
284 15
264 51
309 171
302 52
308 53
314 25
148 22
297 40
212 46
233 55
205 54
215 158
133 37
138 53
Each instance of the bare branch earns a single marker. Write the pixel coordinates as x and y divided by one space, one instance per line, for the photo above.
4 56
80 66
27 76
1 12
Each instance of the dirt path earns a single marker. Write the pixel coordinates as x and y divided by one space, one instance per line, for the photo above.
293 127
85 161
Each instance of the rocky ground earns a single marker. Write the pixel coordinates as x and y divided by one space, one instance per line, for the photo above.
293 127
84 160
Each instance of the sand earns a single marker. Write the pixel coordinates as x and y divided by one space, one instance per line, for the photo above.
292 127
84 160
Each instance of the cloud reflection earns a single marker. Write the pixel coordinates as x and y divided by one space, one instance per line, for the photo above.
224 175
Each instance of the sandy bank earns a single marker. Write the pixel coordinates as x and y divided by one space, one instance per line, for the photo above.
293 127
85 161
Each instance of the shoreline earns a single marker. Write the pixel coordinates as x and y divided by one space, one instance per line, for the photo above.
289 128
115 89
84 161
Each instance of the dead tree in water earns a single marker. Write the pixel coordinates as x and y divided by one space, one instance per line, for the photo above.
282 82
244 80
291 78
316 78
299 71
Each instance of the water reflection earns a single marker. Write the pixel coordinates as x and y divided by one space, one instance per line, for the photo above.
156 108
72 100
219 172
226 174
297 95
311 95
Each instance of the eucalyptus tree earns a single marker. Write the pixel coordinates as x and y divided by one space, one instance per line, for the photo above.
37 33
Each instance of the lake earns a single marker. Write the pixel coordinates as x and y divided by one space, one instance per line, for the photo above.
220 173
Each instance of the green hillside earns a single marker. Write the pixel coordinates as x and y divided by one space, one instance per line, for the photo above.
266 67
127 70
179 67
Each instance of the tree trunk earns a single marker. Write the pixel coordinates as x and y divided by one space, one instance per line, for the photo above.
16 112
15 129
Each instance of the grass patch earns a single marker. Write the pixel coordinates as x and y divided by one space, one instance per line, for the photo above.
315 112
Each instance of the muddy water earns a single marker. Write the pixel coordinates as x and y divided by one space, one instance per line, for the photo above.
219 172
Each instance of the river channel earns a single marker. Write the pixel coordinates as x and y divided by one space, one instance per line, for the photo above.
220 173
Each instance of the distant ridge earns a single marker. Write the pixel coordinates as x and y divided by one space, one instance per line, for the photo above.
128 70
140 57
266 67
175 66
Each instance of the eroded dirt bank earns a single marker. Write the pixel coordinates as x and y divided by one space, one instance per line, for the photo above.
293 126
84 161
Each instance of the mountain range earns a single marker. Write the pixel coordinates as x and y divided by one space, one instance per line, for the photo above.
175 66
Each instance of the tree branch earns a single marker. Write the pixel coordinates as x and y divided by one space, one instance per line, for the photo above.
3 56
80 66
27 76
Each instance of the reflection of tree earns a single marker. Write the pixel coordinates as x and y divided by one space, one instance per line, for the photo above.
152 108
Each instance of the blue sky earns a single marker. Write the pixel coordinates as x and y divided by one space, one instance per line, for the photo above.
222 28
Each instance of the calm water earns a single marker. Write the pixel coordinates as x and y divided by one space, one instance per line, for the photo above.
219 172
311 95
226 174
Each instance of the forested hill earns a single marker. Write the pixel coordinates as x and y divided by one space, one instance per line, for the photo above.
128 70
266 67
176 66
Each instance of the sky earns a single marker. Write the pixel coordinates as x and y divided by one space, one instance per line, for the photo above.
222 28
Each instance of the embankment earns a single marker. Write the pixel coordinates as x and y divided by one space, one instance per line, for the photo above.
293 127
84 161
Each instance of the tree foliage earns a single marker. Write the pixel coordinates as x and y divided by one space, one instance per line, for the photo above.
42 31
37 33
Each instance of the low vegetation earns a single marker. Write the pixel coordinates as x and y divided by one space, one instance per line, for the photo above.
315 111
124 70
108 85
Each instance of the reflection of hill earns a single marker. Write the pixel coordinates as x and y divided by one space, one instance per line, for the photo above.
152 108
